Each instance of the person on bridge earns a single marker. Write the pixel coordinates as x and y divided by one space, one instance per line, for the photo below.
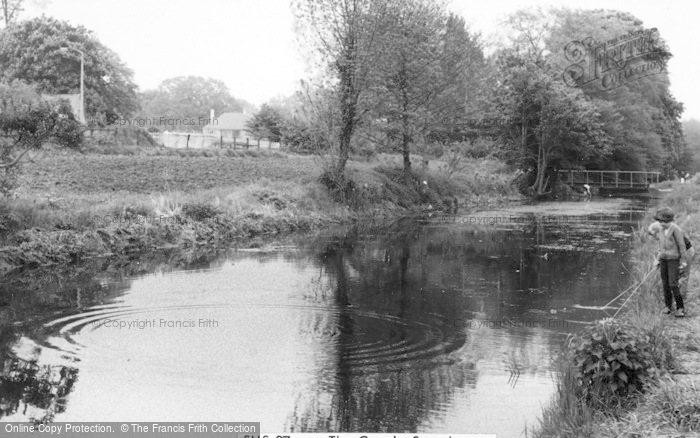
588 190
671 257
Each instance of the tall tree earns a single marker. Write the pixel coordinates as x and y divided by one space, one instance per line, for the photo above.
641 130
423 73
185 102
691 154
643 116
266 123
344 37
411 70
10 10
31 51
555 125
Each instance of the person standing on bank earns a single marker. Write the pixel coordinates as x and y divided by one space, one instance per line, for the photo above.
671 258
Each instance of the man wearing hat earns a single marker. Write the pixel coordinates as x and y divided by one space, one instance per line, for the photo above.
671 258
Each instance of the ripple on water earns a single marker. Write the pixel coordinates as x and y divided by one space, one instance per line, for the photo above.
369 341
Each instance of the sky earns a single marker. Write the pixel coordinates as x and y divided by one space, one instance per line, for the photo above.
251 44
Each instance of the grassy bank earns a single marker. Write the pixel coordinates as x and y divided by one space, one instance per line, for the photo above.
658 395
70 206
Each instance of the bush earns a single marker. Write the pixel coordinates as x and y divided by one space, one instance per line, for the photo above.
28 122
612 361
340 187
8 220
432 150
200 211
270 198
8 180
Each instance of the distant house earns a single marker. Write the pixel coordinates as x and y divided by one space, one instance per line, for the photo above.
228 126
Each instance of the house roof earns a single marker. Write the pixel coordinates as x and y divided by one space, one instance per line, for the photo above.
230 121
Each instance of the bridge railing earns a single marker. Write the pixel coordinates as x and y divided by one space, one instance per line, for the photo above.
609 178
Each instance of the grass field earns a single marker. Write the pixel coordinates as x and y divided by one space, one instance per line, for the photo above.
148 174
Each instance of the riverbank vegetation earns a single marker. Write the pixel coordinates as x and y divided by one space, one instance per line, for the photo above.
70 205
635 374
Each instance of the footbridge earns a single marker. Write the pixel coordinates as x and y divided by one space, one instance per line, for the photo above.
610 180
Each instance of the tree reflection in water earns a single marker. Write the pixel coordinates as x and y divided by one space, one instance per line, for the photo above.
388 392
35 391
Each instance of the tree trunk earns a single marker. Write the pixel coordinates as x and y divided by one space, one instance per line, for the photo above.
344 143
539 186
405 125
348 103
406 160
523 133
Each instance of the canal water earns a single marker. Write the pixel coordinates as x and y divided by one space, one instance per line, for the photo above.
443 324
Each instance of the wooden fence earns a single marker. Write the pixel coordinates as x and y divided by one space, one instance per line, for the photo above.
185 140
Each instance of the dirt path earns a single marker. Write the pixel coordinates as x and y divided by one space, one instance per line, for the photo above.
685 333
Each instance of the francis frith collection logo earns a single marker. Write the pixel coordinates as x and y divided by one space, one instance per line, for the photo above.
616 62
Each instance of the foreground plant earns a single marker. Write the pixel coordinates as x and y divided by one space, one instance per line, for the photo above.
613 363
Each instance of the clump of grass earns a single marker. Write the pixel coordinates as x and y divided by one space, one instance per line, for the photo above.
676 405
665 184
671 408
567 416
200 211
166 205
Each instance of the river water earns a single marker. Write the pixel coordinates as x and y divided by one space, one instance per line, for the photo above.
445 324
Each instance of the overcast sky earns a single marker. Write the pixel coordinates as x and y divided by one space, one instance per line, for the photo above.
251 44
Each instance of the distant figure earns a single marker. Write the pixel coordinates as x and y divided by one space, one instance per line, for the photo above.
588 191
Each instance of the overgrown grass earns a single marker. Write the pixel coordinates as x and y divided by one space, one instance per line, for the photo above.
664 406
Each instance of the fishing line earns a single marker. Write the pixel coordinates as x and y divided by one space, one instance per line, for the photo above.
635 290
623 292
617 297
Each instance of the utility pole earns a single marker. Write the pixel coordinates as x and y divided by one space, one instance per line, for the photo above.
81 116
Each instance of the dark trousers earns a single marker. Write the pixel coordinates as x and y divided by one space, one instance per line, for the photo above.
669 279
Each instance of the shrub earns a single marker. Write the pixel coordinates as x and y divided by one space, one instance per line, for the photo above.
340 187
612 361
269 198
432 150
304 138
27 123
479 148
200 211
8 219
365 151
8 180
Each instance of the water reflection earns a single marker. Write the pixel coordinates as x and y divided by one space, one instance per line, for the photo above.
38 392
430 326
